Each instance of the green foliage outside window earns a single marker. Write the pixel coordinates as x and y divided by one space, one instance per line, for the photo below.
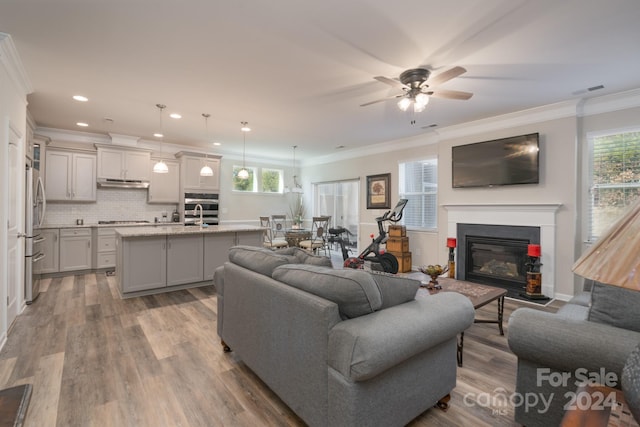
271 180
240 184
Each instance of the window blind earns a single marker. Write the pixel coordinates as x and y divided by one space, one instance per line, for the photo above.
419 185
614 178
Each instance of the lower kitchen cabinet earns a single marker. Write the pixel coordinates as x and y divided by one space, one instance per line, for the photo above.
144 263
75 249
104 248
50 248
184 259
216 251
251 238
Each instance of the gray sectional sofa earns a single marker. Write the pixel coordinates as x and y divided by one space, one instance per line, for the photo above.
589 337
339 347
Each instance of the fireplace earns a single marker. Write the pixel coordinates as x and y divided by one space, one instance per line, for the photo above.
495 255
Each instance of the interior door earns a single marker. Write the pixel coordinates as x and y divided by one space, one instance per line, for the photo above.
15 253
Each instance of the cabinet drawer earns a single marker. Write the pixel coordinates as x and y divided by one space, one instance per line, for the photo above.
106 243
72 232
107 259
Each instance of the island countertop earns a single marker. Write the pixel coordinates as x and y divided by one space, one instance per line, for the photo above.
173 230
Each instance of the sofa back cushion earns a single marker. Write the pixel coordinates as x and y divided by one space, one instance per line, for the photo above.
615 306
354 291
394 289
300 256
260 260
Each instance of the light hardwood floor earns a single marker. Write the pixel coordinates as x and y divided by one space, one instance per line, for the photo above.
97 360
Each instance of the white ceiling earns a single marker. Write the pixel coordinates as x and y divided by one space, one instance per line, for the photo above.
298 70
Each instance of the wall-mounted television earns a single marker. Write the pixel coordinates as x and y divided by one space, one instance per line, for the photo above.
505 161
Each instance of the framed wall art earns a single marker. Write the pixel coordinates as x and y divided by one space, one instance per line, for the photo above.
379 191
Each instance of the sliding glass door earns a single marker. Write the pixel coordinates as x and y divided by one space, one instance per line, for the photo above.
339 199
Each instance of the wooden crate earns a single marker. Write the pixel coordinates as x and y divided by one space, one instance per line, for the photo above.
398 244
397 231
404 261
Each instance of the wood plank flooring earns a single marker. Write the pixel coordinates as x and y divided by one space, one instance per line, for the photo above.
97 360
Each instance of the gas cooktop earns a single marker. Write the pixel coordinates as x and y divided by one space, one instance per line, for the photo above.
124 222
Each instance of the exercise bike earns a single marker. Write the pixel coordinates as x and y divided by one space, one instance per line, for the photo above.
380 260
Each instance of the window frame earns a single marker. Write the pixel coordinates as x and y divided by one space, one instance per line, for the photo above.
280 180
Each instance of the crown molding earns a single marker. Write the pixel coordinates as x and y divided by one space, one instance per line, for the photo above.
608 103
13 64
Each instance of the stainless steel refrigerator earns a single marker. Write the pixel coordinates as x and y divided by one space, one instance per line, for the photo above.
35 209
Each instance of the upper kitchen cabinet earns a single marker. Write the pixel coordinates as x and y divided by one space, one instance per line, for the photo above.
190 165
123 163
165 187
70 176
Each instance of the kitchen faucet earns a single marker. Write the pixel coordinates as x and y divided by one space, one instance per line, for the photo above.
195 212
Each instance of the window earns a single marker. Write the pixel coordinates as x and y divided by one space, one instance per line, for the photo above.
249 184
614 179
419 185
272 181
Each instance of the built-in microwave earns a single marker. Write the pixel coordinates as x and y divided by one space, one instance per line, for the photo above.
209 204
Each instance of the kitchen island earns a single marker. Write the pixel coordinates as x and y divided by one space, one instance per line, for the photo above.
164 258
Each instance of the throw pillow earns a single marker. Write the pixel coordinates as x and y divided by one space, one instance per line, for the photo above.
260 260
395 289
615 306
355 291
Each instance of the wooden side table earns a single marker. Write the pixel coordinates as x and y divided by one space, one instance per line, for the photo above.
598 406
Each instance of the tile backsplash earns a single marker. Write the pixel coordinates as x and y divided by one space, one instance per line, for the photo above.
113 204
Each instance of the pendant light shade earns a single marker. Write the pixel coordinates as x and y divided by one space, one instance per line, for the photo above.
206 169
160 166
296 187
244 173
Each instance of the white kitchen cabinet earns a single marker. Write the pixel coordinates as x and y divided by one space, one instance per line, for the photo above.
165 187
142 263
104 247
75 249
216 251
70 176
184 259
50 248
116 163
190 178
250 238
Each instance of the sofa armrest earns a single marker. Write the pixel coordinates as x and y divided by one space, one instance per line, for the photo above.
218 280
363 347
566 344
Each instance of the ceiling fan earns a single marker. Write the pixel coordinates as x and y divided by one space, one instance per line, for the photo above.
418 88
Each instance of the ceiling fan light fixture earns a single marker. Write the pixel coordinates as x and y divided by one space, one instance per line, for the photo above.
422 99
404 103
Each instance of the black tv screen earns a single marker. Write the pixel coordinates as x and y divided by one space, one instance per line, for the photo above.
505 161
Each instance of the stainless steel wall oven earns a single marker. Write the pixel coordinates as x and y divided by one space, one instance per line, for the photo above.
209 204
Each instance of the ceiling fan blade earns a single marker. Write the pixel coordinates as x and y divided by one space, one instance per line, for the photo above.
451 94
391 82
446 76
380 100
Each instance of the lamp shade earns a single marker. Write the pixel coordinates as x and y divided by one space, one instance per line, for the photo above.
451 242
206 171
614 259
533 250
160 167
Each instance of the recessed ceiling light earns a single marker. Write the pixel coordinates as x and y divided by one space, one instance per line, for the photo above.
82 124
80 98
217 143
175 116
158 135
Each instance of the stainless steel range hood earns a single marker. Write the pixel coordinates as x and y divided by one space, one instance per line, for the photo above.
121 183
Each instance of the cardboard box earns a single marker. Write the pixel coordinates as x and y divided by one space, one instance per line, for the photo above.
397 231
404 261
398 244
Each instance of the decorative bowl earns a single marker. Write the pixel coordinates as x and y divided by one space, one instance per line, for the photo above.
434 271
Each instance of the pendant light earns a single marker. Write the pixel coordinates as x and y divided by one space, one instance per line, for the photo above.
206 169
160 166
244 173
296 188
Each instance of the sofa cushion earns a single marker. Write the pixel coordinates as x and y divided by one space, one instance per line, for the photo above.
355 291
300 256
615 306
260 260
395 289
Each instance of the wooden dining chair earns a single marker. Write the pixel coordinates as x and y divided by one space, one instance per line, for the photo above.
318 241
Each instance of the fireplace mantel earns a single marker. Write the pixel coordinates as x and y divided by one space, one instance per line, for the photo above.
541 215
